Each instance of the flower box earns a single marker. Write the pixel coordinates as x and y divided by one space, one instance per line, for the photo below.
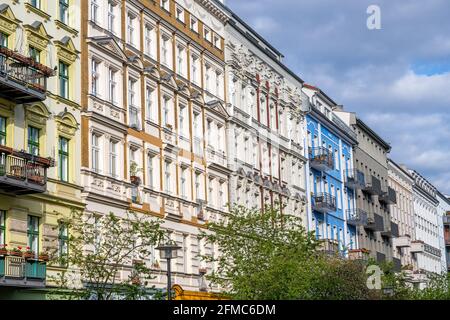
29 255
43 257
15 253
3 251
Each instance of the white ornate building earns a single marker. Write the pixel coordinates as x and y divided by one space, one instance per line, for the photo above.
266 128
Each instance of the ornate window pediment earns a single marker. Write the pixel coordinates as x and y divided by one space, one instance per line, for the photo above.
66 124
8 22
37 114
37 36
66 50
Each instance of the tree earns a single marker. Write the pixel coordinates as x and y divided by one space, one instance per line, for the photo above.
99 247
270 255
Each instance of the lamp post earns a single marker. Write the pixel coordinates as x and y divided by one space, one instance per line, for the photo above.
168 251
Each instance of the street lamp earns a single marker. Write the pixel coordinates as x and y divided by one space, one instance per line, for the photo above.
168 251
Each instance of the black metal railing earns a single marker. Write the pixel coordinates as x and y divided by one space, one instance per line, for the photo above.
373 186
321 158
389 196
323 202
356 217
375 222
354 179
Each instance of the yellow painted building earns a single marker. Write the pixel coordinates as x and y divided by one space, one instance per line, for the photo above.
39 135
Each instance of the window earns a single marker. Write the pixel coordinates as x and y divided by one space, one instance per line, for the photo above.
64 11
63 159
218 79
149 30
150 103
2 226
113 158
165 5
36 3
2 131
111 16
95 76
95 153
63 80
166 110
150 171
207 34
179 12
183 182
216 41
112 85
164 50
180 60
33 141
167 176
197 185
63 240
207 77
194 24
94 10
3 39
33 233
130 29
131 92
181 122
34 54
194 68
210 190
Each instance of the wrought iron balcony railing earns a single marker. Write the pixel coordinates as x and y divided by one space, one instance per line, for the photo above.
354 179
22 173
329 246
357 217
323 202
22 79
321 158
375 222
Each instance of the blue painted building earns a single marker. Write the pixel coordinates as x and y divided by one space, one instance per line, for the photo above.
329 150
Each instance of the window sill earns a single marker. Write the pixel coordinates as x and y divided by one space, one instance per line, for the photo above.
62 25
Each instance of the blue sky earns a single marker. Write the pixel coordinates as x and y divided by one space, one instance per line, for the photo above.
397 79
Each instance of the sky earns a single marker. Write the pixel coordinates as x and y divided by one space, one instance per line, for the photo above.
396 78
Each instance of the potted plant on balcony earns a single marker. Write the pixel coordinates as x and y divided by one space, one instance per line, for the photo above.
3 250
29 254
44 256
134 170
17 252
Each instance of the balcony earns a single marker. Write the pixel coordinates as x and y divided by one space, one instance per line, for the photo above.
402 242
359 254
417 246
356 217
391 230
389 196
22 80
354 179
381 257
375 222
373 186
321 159
22 173
215 157
329 246
18 272
323 202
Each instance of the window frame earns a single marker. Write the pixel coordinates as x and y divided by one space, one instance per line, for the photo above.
2 227
64 78
33 234
33 143
66 155
3 130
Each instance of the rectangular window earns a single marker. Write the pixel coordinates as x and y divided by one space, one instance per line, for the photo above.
150 171
33 141
95 76
207 34
180 60
166 101
63 80
194 24
181 122
216 41
112 86
194 69
131 92
165 5
3 40
148 40
180 14
164 50
64 11
63 240
111 16
2 226
183 182
95 153
152 109
130 29
63 159
3 131
33 234
36 3
34 54
197 185
113 158
94 10
167 176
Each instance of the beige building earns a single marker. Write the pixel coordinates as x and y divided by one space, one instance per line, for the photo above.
39 138
153 123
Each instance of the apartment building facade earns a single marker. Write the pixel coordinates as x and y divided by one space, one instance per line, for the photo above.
333 215
428 228
443 209
153 124
374 195
39 138
266 124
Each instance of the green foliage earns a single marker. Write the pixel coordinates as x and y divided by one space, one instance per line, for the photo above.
101 246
